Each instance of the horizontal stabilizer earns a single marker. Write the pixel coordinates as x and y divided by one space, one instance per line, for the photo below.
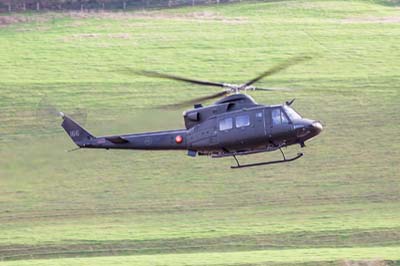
117 140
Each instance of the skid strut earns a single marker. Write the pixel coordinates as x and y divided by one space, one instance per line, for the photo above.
266 163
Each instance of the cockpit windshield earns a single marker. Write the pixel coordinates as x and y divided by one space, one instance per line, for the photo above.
293 115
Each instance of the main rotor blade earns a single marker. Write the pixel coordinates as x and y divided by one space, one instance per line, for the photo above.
272 89
196 100
277 69
173 77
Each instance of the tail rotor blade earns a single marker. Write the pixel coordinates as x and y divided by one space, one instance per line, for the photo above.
47 114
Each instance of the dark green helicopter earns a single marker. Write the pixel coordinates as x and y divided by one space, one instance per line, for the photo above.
234 125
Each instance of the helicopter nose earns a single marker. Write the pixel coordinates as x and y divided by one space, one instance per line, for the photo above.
317 127
307 129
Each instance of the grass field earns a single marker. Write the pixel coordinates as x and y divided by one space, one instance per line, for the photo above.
337 205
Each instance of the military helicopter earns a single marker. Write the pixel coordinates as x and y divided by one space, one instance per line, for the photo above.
232 126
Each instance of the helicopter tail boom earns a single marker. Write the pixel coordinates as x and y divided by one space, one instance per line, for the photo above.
161 140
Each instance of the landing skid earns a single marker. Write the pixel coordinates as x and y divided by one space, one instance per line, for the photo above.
285 160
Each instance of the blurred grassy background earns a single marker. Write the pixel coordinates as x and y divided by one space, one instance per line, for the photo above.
341 201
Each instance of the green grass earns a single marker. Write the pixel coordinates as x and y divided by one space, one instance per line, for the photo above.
232 258
340 202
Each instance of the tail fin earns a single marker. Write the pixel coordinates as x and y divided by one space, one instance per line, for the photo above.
77 133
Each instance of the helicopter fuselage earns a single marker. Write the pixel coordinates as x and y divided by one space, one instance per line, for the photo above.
249 129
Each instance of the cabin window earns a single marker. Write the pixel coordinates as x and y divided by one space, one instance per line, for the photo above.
259 116
242 121
278 117
225 124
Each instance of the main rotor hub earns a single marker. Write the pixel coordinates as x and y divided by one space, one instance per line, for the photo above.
235 88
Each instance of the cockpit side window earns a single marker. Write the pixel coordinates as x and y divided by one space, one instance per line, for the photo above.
276 116
279 117
285 120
